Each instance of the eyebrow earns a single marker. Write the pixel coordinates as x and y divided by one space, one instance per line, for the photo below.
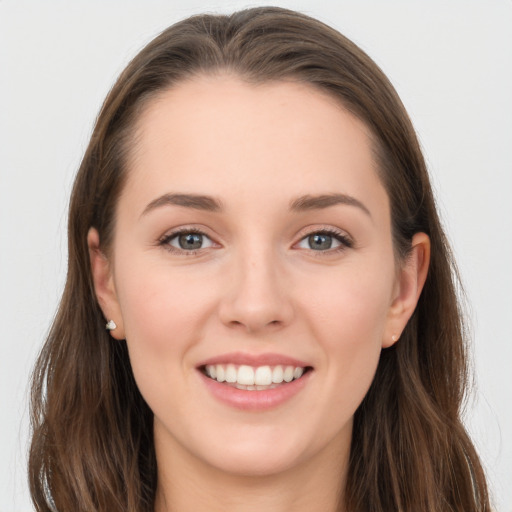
210 204
195 201
308 202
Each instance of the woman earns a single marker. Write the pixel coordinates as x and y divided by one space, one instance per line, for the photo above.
260 307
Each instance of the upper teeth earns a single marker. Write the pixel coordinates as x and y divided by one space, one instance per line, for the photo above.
251 376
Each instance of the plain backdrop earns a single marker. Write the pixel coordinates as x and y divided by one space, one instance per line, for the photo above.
451 62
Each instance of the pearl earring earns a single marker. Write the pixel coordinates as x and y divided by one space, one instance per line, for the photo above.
394 338
111 325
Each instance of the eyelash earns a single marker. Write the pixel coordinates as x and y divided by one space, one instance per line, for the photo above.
344 240
166 239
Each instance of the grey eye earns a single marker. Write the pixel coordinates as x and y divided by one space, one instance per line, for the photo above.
190 241
320 241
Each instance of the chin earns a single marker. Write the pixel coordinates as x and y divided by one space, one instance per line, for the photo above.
260 452
257 462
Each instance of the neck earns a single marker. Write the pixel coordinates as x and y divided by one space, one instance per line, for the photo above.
313 485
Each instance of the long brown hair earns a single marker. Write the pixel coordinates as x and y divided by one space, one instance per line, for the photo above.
92 445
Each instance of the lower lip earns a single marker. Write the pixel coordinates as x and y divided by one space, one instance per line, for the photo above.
255 400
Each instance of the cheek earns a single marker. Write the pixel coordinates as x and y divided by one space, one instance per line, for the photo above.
161 313
351 309
348 319
162 307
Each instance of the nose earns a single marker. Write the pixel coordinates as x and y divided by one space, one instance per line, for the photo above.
258 297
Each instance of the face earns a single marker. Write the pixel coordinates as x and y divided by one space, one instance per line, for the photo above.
252 272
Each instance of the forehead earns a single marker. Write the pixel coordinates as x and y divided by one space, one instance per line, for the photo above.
215 134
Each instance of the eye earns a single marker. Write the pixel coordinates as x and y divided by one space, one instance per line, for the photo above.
324 241
186 241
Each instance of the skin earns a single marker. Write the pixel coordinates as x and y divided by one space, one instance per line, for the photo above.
256 286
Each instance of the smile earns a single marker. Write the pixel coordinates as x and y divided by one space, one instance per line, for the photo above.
254 383
250 378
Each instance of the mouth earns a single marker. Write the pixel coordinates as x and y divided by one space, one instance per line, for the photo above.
254 378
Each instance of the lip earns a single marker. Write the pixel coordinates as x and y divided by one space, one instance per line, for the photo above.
255 400
255 360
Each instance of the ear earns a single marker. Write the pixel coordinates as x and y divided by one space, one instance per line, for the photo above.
410 281
104 284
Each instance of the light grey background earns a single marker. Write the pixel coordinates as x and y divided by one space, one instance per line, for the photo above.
451 62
